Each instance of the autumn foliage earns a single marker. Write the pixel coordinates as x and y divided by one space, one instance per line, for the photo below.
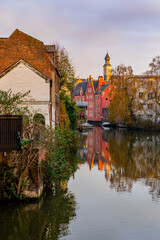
124 95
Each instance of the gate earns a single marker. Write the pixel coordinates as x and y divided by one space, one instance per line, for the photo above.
10 126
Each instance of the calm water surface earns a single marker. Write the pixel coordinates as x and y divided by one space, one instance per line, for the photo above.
114 194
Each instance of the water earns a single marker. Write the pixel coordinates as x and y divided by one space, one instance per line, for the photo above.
115 194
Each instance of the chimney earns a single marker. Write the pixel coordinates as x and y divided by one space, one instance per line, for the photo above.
100 81
52 52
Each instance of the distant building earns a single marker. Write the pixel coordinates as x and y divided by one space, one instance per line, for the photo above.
107 67
26 64
95 95
148 97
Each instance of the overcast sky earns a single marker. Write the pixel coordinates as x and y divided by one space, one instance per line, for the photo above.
130 30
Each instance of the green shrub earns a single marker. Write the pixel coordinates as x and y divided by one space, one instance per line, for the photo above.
8 182
62 157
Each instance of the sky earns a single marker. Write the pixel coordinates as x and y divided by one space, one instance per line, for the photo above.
130 30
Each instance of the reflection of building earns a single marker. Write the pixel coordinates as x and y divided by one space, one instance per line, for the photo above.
125 157
146 153
97 150
91 149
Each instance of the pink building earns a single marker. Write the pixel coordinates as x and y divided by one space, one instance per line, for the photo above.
95 95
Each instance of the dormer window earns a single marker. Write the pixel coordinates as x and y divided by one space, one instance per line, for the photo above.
81 91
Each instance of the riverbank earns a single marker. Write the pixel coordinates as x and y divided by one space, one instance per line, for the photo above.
43 168
118 181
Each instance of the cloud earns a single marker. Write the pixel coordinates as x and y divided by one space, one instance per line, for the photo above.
129 29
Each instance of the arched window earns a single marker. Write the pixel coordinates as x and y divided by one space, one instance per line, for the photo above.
39 118
39 123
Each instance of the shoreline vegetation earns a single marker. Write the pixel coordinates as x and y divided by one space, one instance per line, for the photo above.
47 157
60 146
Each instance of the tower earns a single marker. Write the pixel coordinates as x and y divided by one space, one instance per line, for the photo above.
107 67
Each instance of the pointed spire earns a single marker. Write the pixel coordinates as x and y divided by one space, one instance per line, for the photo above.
107 67
107 57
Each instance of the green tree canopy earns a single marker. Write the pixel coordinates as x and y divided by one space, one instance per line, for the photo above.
10 103
71 109
66 69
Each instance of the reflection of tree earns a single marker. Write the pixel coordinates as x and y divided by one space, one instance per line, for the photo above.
134 155
154 187
127 156
40 221
123 167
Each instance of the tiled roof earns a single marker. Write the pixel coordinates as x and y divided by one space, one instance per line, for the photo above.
101 89
80 86
95 84
22 46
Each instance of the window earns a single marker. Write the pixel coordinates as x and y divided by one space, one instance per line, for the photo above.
89 90
90 104
81 99
150 106
141 95
142 83
151 83
150 95
140 107
81 92
90 113
77 99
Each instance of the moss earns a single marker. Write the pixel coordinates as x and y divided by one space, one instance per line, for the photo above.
8 182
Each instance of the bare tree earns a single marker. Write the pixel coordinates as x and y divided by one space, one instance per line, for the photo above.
152 86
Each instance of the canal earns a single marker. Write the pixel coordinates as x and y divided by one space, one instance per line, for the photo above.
114 195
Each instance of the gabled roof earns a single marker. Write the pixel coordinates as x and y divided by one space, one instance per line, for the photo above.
95 84
22 46
101 89
27 65
78 88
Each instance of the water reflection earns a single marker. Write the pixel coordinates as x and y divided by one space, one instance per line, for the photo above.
125 157
46 220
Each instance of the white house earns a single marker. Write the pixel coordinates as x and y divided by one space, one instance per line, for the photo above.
26 64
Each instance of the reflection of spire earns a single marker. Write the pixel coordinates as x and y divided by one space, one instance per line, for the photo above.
108 168
101 165
90 161
107 184
91 164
